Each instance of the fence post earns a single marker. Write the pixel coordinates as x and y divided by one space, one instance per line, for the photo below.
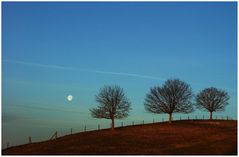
188 118
143 122
202 116
85 128
196 117
180 118
162 119
216 116
133 123
98 126
71 131
227 117
54 135
122 124
153 121
30 139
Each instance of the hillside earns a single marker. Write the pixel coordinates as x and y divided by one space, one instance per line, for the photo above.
181 137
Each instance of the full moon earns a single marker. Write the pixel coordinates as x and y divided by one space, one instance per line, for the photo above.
69 97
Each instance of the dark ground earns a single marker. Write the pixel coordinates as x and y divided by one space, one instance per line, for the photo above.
199 137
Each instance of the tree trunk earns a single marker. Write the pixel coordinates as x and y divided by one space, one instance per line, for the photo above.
170 117
113 123
210 115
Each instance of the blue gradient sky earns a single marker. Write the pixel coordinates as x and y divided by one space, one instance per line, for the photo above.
50 50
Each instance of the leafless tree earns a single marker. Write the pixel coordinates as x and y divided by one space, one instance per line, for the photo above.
212 100
112 104
173 97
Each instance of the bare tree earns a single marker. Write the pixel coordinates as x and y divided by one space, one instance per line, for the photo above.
212 100
174 96
112 104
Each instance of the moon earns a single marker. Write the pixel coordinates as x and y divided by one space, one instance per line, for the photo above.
69 97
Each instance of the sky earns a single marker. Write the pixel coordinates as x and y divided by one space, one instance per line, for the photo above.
51 50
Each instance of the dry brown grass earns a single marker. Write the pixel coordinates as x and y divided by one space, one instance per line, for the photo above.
178 138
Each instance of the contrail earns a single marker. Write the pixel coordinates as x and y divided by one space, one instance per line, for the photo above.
85 70
45 108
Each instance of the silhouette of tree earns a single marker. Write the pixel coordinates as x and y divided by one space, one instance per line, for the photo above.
173 97
112 104
212 100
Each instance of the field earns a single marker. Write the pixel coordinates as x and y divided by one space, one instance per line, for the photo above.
198 137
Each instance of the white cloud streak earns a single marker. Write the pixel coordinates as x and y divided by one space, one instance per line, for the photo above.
85 70
33 107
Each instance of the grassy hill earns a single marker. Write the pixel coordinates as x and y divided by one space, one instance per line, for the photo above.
180 137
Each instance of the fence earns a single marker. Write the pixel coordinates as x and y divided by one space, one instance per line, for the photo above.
122 124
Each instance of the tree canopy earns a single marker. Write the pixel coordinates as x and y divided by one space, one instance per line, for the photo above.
112 104
212 100
174 96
